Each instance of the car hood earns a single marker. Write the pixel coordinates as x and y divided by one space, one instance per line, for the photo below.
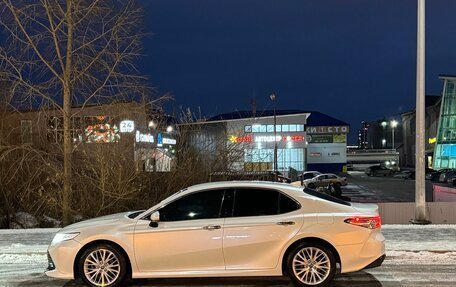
107 219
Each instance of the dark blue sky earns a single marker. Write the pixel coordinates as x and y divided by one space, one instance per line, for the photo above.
352 59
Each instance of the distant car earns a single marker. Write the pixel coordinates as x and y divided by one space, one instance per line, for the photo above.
224 229
452 180
410 174
444 176
323 180
377 170
435 176
308 175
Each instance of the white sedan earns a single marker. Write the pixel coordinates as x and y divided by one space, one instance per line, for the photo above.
224 229
323 180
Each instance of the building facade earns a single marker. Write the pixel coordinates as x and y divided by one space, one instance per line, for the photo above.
124 128
408 122
305 140
445 141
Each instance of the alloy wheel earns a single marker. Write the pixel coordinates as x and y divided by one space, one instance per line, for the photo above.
101 267
311 265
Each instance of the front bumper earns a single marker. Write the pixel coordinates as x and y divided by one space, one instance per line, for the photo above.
61 259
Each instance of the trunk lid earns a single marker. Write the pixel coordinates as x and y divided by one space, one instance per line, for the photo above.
367 208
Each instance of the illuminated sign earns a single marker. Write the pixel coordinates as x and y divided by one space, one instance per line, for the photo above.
162 140
127 126
265 139
169 141
328 129
432 140
144 138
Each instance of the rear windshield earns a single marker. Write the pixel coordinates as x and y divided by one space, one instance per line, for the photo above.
326 196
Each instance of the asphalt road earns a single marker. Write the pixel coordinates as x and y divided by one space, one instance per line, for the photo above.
363 188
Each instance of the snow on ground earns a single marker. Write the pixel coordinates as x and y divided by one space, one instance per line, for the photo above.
405 244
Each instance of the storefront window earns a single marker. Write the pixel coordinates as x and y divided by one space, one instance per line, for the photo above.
263 159
270 128
55 129
99 130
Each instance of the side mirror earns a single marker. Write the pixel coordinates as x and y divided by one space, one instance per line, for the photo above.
154 219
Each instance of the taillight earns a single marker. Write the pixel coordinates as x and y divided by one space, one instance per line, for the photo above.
367 222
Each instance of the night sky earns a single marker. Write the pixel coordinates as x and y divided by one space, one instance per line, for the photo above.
351 59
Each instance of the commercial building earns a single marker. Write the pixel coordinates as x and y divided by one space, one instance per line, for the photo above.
130 129
305 140
445 142
408 123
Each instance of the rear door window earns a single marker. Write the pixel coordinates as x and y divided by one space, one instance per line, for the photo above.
261 202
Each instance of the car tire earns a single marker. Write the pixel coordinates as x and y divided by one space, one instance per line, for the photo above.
317 273
102 265
311 185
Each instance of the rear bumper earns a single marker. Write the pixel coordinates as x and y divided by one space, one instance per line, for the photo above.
378 262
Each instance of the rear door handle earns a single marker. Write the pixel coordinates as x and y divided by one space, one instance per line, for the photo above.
212 227
286 223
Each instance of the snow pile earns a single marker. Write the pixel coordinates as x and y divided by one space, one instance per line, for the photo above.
24 220
40 259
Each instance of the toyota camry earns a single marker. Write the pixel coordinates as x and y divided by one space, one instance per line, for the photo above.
224 229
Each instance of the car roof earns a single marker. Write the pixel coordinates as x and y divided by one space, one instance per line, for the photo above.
285 187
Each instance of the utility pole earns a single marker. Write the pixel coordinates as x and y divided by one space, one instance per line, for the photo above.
273 97
420 187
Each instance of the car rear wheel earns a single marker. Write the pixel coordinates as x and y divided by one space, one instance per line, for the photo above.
311 185
102 265
311 265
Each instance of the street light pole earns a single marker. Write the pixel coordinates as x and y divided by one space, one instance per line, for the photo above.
420 187
273 97
393 126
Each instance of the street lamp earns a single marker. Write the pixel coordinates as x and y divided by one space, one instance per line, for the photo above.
273 97
420 187
393 125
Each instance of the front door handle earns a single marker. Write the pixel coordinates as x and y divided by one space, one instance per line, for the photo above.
212 227
286 223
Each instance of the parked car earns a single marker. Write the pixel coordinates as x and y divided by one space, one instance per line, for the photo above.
410 174
377 170
323 180
249 175
435 176
444 176
224 229
308 175
452 180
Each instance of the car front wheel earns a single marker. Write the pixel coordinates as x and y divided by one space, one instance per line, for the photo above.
102 265
311 265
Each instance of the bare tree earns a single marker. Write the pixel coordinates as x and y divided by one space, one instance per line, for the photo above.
60 54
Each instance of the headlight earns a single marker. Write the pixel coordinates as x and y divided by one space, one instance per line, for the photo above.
59 237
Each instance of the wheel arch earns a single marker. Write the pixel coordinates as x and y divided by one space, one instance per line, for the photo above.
96 242
310 240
